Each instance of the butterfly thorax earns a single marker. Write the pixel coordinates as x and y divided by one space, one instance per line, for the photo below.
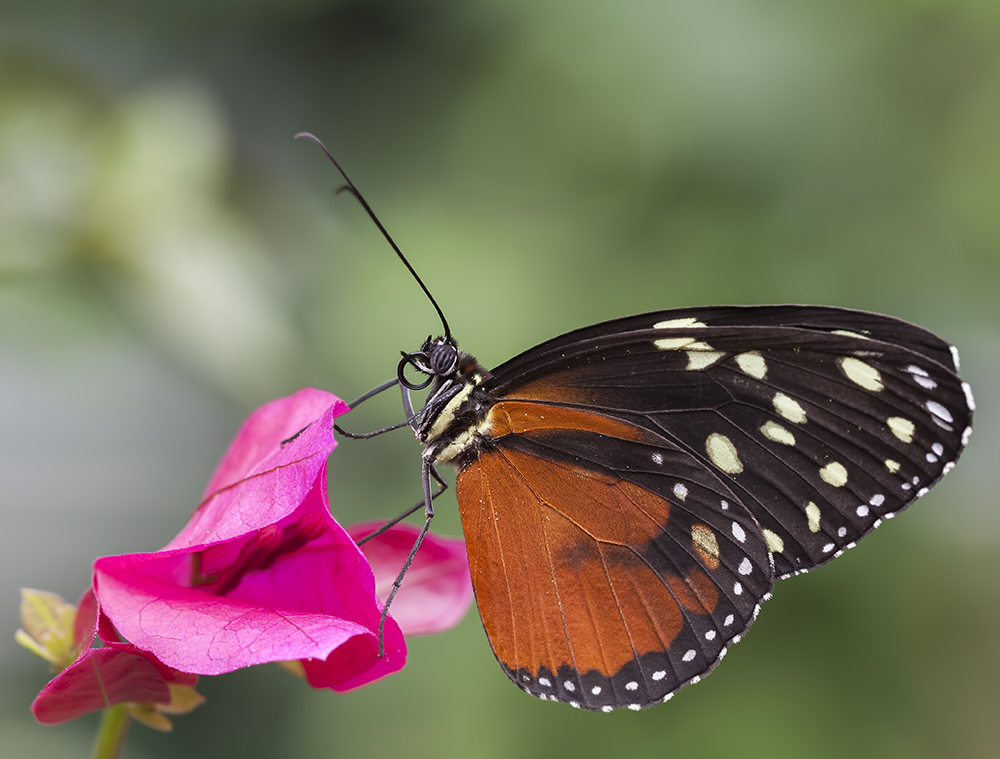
453 428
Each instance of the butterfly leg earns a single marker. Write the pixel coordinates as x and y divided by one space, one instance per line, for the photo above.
411 417
426 473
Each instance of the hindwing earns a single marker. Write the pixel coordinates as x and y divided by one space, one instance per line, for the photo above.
610 566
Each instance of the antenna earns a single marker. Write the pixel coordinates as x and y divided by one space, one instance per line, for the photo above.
349 186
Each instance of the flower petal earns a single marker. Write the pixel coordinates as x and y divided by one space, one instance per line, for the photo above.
260 481
100 678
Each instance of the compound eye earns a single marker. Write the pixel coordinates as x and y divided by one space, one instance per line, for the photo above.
443 359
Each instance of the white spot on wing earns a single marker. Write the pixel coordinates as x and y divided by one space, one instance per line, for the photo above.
745 566
939 411
921 377
967 389
738 532
954 357
680 490
689 655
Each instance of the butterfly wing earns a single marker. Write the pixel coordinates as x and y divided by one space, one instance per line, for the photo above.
611 567
637 485
821 421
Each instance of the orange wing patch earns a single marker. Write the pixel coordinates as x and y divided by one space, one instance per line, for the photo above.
519 417
557 566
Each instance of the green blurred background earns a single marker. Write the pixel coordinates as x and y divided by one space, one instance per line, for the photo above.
170 258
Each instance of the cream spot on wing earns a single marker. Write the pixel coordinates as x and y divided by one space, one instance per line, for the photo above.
901 428
777 433
687 321
774 542
862 374
673 343
702 359
752 364
705 544
892 466
789 408
723 454
812 514
848 333
834 474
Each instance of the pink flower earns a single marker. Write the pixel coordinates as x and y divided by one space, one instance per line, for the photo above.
262 572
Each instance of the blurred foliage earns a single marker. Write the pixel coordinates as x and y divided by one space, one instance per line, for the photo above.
169 258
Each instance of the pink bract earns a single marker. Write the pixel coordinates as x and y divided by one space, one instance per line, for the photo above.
261 572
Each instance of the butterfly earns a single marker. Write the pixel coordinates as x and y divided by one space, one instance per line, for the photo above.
630 492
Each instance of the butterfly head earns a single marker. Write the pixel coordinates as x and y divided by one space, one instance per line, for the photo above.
438 358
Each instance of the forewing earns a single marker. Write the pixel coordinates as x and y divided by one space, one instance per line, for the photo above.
610 566
822 421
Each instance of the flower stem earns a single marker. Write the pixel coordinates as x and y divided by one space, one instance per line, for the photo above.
111 733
